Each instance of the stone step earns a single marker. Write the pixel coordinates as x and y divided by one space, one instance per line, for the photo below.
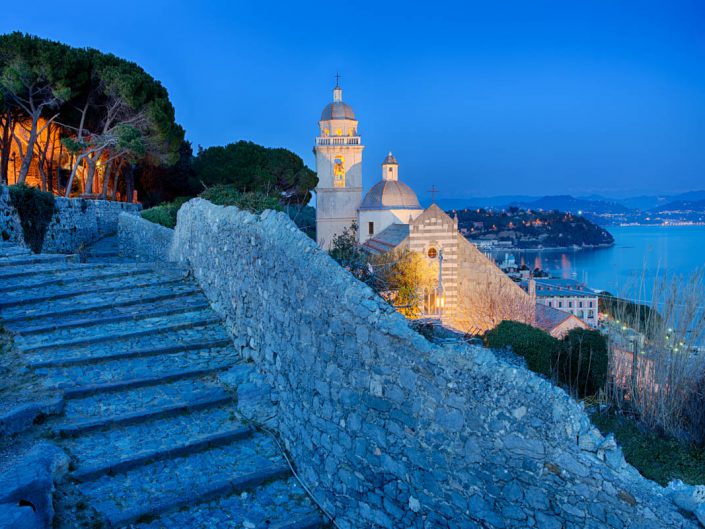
29 296
21 260
109 332
281 504
133 371
167 485
12 272
12 250
130 407
111 447
78 275
92 304
177 449
187 303
131 383
211 337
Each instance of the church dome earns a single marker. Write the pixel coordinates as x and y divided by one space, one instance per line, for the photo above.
390 194
337 110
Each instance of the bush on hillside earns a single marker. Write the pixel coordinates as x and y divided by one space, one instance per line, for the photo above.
346 250
537 347
228 195
581 363
656 456
35 209
165 214
304 217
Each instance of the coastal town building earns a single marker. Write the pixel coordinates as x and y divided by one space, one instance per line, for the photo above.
556 322
567 295
472 294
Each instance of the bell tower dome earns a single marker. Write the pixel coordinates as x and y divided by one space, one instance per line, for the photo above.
338 153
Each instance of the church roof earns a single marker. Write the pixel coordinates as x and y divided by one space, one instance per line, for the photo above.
337 110
390 159
390 194
388 239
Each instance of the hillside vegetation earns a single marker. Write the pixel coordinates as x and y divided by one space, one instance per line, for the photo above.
532 229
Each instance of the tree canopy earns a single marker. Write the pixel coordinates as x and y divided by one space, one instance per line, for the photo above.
253 168
77 120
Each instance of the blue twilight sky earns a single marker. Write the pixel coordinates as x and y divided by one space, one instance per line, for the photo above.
478 98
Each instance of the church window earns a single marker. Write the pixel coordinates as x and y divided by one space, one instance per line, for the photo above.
432 252
326 132
371 228
339 171
339 132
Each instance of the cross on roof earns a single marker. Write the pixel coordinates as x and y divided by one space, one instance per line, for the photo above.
434 192
337 79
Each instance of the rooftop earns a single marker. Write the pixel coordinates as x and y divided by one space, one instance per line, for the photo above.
388 239
554 287
390 194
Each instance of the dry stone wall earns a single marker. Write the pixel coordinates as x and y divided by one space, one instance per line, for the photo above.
76 222
387 429
143 240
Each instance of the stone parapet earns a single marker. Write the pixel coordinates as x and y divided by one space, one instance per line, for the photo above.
143 240
386 429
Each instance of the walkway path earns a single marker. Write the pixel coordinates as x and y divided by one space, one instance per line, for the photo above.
155 436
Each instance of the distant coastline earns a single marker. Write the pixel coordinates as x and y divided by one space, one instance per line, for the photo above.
661 224
482 245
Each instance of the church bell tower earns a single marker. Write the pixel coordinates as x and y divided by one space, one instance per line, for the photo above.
338 153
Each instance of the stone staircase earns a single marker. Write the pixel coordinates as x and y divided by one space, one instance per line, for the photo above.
155 436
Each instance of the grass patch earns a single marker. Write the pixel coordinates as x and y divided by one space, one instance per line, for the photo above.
656 457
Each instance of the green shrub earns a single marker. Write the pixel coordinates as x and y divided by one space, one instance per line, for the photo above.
304 217
655 456
581 363
35 209
228 195
536 346
165 214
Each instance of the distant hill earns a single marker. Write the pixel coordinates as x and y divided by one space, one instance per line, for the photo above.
680 205
517 228
605 211
572 205
479 202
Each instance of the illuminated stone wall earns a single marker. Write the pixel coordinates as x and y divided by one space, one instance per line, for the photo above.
387 429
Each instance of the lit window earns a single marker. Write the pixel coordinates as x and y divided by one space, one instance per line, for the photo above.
432 253
326 132
339 132
371 228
